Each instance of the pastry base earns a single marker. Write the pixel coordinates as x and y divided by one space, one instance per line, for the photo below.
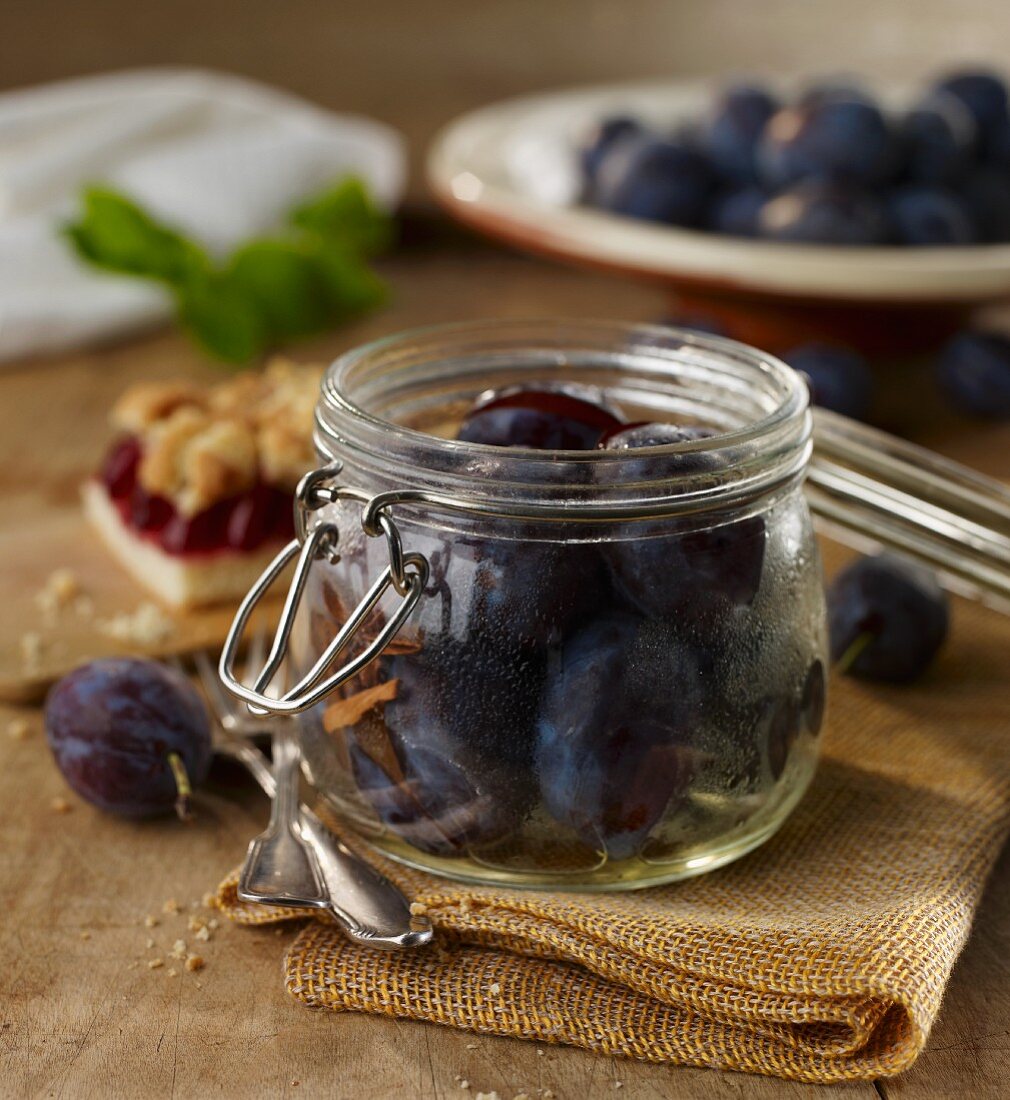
192 581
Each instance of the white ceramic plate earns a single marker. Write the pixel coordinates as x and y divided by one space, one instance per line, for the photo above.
510 170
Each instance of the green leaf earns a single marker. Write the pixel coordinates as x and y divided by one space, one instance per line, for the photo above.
353 287
284 282
115 234
270 289
222 318
346 215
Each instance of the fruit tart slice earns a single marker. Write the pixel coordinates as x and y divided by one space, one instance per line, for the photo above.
195 496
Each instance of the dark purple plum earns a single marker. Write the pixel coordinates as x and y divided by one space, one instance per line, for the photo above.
630 437
835 87
925 216
427 799
603 139
616 721
733 128
814 698
984 94
460 737
661 181
124 732
973 370
533 593
672 573
937 138
465 695
840 379
887 618
998 156
541 419
735 212
824 212
987 195
831 137
781 722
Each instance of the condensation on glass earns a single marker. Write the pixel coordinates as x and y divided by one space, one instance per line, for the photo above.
585 669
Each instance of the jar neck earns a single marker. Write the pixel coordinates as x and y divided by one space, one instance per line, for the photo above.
387 407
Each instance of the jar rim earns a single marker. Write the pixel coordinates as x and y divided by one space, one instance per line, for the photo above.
755 456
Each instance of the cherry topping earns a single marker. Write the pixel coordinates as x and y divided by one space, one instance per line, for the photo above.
243 522
200 533
256 516
119 471
148 512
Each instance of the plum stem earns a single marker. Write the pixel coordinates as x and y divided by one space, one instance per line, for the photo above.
182 785
852 654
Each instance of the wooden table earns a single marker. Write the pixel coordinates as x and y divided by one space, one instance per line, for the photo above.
81 1013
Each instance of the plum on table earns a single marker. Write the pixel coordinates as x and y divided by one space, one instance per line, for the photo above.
887 618
130 736
974 371
614 732
840 379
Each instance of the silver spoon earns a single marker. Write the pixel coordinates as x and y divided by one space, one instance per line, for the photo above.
367 905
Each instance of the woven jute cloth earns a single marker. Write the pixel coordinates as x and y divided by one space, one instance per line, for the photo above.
821 957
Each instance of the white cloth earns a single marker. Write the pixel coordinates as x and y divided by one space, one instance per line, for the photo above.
219 157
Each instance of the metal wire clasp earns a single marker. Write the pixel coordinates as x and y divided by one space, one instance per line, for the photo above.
407 574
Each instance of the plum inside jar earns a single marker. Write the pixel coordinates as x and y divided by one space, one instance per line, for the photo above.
602 706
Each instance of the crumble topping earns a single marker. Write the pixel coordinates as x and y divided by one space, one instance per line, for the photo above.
31 649
148 625
146 403
18 729
202 445
60 590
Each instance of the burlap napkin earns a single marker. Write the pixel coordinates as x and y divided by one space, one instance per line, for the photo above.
822 956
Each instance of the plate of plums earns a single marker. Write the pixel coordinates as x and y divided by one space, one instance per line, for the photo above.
832 208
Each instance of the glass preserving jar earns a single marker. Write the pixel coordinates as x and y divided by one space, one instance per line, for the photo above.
582 669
